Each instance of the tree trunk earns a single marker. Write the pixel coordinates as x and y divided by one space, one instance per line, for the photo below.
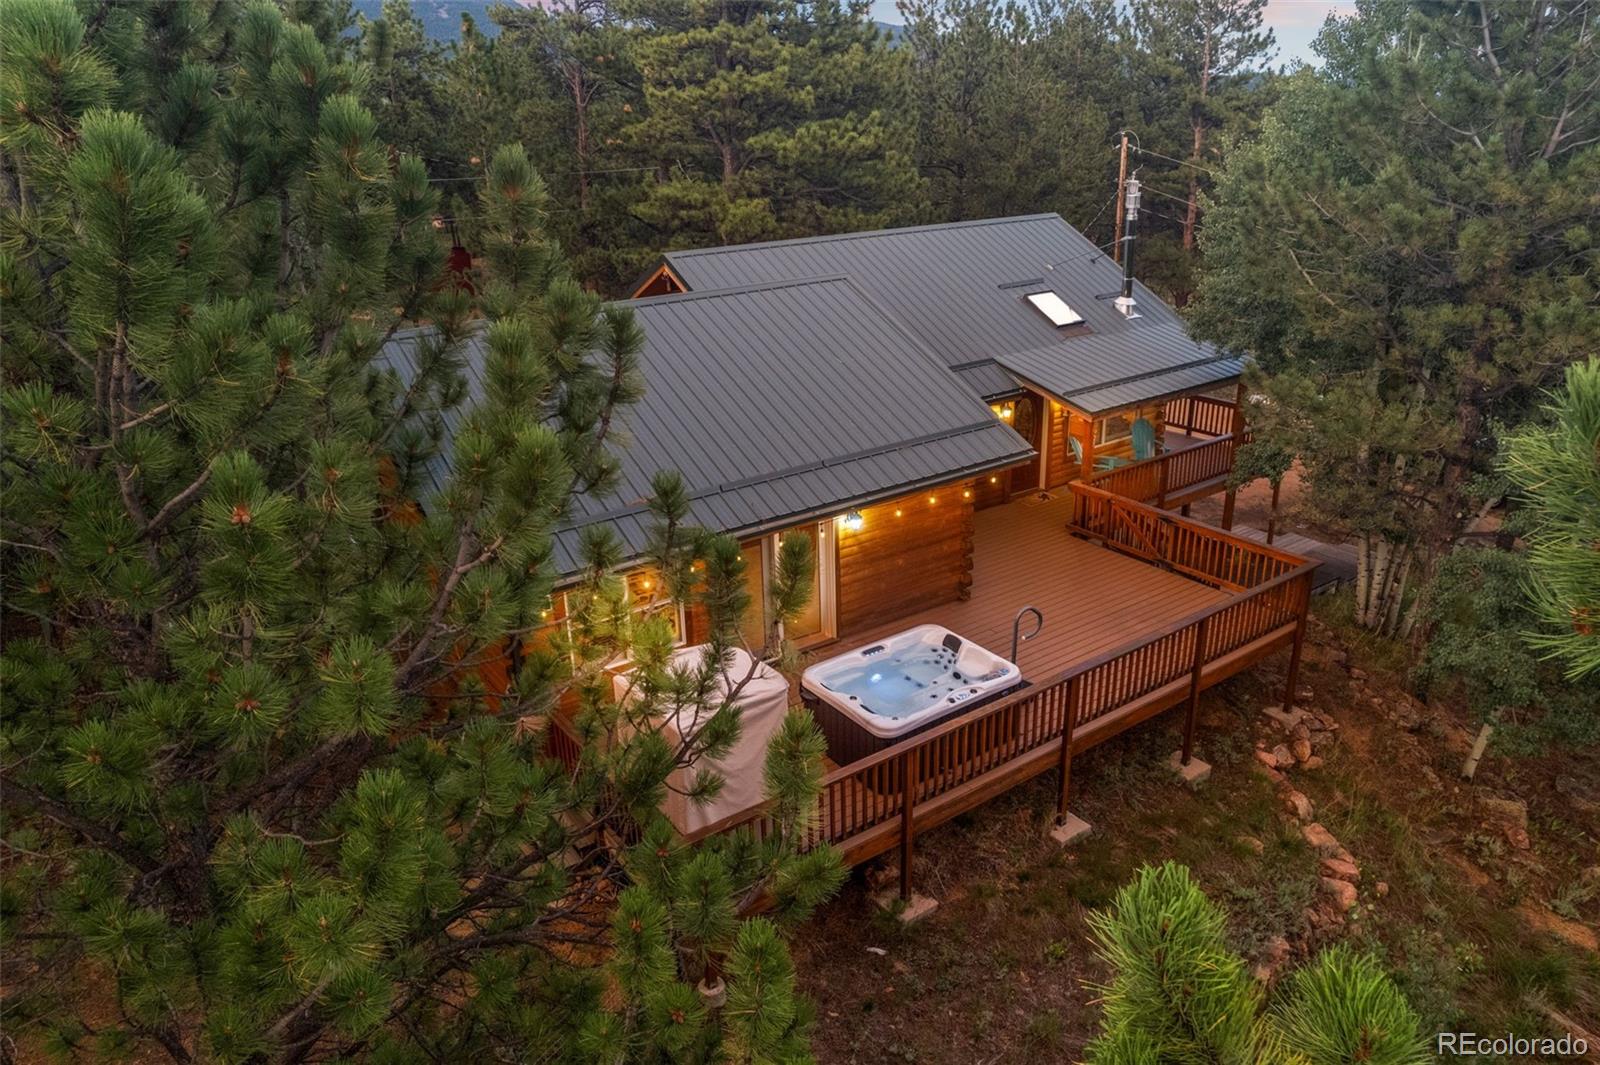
1383 570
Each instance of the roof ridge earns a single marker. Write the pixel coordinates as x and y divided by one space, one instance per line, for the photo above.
733 290
829 238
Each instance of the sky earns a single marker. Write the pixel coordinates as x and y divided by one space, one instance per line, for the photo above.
1294 22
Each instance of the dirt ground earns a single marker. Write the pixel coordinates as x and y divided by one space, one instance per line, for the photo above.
1488 923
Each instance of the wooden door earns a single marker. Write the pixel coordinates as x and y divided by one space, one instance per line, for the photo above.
1029 424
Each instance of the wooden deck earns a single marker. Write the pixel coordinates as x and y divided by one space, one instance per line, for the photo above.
1244 601
1093 599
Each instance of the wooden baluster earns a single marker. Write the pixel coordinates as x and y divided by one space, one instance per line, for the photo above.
1194 687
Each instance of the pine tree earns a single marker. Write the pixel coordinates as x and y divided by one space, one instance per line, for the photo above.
1179 993
997 134
1203 73
1407 293
279 801
1556 467
768 119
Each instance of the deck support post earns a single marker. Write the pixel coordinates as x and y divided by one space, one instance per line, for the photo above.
1069 712
1299 645
1193 708
908 780
1227 508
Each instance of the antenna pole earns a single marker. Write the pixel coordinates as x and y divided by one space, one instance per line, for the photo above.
1122 182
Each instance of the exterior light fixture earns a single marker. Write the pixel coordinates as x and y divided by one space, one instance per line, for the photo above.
932 500
898 512
994 480
853 521
966 494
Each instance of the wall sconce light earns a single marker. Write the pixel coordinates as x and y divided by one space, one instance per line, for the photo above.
853 521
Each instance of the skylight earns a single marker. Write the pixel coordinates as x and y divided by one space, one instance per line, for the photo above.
1054 308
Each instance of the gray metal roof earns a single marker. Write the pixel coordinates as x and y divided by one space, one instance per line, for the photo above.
1107 373
960 289
777 403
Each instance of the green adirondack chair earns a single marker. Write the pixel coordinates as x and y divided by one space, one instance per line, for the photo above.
1144 440
1101 462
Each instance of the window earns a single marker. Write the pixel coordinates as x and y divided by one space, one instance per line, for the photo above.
648 599
815 622
1111 428
1054 308
753 626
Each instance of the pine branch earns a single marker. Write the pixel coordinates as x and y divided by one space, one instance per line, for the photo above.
102 835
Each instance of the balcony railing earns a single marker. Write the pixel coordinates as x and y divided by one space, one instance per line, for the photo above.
1171 475
1199 414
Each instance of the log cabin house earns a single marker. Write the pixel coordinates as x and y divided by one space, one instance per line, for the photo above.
950 413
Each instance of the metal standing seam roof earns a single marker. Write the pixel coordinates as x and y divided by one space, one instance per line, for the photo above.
776 402
960 288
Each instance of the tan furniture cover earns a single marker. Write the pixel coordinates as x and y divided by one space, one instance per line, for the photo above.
762 702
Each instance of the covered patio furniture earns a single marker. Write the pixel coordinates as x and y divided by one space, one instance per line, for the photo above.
763 702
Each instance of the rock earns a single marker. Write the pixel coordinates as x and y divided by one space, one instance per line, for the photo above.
1342 892
1274 953
1506 811
1301 750
1327 723
1357 674
1301 730
880 875
1381 889
1321 840
1339 869
1270 773
1297 804
1314 762
1254 845
1518 837
1267 758
1283 756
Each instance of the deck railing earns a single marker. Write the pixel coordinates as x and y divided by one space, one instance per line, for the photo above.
882 801
1189 547
1199 414
1170 474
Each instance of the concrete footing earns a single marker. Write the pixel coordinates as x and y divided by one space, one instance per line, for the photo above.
1289 720
1073 829
1194 774
911 911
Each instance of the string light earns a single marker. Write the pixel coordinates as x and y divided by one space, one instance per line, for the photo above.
932 500
898 512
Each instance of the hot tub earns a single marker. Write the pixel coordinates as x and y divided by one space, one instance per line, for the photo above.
875 696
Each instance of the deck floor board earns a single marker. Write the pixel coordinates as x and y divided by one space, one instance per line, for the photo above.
1093 599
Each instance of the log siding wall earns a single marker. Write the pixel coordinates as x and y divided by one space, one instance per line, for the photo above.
896 565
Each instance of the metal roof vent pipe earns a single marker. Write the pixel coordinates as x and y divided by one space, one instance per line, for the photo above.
1124 302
